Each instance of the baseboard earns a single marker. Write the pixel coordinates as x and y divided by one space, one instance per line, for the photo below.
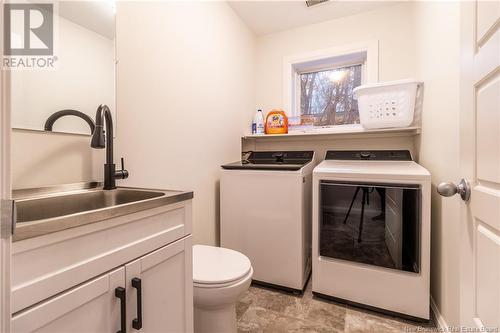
278 287
438 318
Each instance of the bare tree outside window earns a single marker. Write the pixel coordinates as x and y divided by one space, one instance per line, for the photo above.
326 97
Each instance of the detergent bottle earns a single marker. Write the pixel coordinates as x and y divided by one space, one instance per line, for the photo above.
258 123
276 122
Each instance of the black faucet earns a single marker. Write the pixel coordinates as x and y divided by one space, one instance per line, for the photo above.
104 139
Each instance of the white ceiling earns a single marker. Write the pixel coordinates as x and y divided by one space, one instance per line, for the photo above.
98 16
265 17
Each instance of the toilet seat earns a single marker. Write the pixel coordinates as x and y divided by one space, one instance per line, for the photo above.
215 267
224 285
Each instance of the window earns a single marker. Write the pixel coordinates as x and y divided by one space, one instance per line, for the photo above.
326 96
318 86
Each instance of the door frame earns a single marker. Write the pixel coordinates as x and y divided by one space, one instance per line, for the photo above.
467 12
5 190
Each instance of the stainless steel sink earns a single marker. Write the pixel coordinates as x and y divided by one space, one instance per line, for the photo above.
46 210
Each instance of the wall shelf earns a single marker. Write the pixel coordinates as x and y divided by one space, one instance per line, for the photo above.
340 133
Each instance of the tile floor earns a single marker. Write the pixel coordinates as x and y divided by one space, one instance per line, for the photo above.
268 310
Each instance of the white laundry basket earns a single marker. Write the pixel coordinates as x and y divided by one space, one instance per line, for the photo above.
387 104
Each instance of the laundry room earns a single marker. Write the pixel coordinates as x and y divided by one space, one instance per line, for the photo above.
232 166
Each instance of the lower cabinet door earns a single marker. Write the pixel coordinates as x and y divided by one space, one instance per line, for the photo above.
160 290
91 307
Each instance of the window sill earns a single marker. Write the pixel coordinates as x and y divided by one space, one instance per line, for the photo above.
344 132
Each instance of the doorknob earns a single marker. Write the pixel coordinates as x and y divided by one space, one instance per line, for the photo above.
449 189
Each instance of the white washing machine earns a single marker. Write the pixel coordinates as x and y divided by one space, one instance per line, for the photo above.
265 213
371 231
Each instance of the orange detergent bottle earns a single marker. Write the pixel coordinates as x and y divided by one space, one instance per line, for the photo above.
276 122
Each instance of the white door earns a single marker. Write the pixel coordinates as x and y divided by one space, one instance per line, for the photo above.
5 192
92 307
160 290
480 164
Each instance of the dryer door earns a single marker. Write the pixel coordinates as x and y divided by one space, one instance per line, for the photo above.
374 224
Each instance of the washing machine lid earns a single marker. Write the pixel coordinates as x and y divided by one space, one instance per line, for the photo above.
273 160
383 165
216 265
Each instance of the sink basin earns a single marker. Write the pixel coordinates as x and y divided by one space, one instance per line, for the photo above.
60 205
47 210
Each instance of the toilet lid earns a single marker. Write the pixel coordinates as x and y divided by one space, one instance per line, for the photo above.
215 265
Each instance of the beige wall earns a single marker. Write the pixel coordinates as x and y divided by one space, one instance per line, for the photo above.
185 97
392 26
437 40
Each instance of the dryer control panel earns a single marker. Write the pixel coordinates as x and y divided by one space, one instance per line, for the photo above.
369 155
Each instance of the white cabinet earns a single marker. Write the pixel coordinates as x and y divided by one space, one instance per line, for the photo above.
66 281
91 307
166 300
164 279
45 266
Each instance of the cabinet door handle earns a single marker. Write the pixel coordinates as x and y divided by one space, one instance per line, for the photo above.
137 322
121 294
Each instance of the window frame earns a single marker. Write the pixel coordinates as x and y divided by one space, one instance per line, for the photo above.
365 53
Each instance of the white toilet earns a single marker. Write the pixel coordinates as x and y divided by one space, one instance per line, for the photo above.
220 277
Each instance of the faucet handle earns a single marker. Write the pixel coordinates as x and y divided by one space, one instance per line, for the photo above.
121 174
